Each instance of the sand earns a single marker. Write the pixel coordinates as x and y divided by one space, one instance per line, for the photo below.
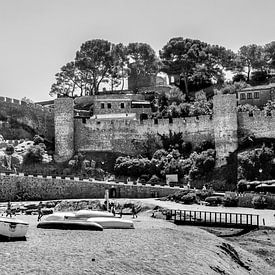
155 246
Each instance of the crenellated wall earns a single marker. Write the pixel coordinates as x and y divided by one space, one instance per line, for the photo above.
22 120
224 128
258 123
117 135
16 187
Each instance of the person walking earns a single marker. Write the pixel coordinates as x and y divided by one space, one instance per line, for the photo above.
113 210
40 213
8 211
134 212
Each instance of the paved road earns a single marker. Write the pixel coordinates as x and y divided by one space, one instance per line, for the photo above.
267 217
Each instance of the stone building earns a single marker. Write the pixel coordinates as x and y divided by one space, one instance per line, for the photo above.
257 95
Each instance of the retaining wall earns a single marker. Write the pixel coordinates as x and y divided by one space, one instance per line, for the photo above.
18 187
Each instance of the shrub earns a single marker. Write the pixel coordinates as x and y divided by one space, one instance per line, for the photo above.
189 198
34 155
154 180
230 201
259 202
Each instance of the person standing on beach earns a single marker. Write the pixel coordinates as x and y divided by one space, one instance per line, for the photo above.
8 211
40 214
134 212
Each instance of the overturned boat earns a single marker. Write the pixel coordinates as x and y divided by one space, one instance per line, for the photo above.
70 225
13 229
112 223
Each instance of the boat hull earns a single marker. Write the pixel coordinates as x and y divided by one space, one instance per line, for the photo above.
70 225
112 223
13 228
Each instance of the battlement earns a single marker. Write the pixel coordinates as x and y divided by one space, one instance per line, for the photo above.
23 103
258 114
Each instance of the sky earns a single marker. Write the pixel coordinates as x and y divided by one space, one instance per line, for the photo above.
38 37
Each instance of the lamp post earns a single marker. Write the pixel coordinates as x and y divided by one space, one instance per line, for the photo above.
260 171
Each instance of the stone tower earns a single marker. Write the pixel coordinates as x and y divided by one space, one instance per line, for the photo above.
64 128
225 126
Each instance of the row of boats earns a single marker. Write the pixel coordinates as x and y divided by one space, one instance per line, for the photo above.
13 228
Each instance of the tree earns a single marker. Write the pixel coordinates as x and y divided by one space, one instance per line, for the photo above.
95 61
251 57
194 60
118 71
71 81
269 50
142 60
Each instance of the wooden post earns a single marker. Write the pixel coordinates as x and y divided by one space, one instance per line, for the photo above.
205 216
215 217
257 220
210 216
246 219
190 216
226 218
180 215
184 213
200 215
251 219
241 218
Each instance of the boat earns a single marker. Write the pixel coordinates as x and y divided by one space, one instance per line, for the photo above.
70 224
79 215
112 223
13 229
60 216
86 214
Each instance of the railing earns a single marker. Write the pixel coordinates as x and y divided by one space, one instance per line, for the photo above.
221 219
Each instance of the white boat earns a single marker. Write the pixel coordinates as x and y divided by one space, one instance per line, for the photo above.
112 223
86 214
12 228
60 216
79 215
70 224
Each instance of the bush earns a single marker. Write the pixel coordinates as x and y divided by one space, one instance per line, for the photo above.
154 180
230 201
34 155
259 202
189 198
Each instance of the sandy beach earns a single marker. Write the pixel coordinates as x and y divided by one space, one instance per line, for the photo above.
155 246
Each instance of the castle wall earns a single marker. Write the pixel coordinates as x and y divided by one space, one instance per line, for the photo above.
64 129
117 135
225 126
22 120
37 188
259 124
95 135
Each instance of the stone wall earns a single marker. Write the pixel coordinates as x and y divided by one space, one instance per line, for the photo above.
64 128
117 135
35 188
111 135
22 120
257 123
225 126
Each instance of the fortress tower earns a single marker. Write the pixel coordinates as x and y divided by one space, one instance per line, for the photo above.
225 126
64 128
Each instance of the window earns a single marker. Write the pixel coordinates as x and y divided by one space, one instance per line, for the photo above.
249 95
256 95
122 106
102 105
109 105
243 96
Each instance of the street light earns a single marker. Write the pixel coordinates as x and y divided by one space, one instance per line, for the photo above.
260 171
